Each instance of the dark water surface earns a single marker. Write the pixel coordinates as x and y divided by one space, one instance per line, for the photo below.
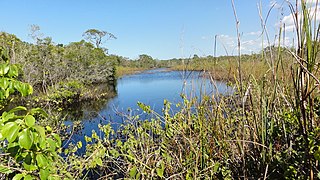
151 88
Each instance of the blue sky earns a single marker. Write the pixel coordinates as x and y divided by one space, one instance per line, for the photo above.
163 29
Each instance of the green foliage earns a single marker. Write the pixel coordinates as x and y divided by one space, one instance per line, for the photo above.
9 85
30 150
146 61
88 64
47 65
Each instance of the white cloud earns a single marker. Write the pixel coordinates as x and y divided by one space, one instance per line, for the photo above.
227 40
289 22
254 33
250 42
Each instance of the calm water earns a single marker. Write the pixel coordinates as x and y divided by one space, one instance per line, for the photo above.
151 88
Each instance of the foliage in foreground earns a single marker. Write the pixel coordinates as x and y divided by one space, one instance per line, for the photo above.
27 149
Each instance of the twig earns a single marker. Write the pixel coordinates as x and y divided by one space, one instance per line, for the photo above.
246 141
298 59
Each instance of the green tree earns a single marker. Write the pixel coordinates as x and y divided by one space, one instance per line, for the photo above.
146 61
96 37
9 43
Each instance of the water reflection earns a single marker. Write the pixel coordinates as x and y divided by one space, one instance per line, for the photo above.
151 88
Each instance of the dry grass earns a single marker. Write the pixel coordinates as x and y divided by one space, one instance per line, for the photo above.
121 70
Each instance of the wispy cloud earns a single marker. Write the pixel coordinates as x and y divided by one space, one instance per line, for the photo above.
253 33
288 20
251 42
286 42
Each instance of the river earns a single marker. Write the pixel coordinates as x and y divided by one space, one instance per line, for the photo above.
150 87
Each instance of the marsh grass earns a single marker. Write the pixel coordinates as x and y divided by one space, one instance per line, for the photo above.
122 70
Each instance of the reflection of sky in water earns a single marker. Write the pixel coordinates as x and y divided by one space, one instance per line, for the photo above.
151 88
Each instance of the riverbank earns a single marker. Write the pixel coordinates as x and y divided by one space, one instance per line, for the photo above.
227 68
122 71
67 94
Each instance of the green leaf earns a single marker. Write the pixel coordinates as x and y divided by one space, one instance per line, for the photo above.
87 139
41 160
18 108
17 85
28 177
216 167
5 170
79 144
52 144
4 83
58 139
28 163
44 173
23 90
133 172
99 161
13 71
27 89
10 131
17 177
49 129
41 131
4 68
30 88
30 120
26 139
30 167
7 116
51 177
38 110
2 94
6 93
119 143
160 170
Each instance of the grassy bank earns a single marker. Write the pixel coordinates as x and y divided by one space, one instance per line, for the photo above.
225 68
122 70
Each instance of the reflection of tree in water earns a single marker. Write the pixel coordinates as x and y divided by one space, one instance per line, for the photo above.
89 108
